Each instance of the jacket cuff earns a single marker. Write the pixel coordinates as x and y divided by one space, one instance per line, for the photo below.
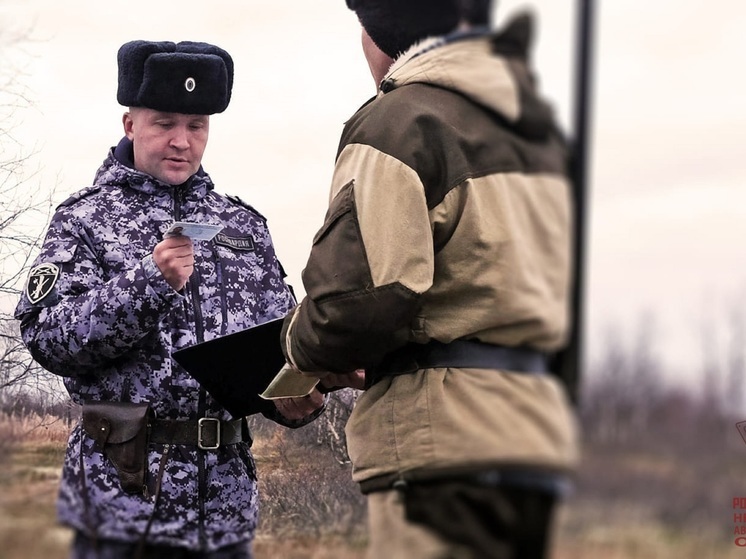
150 268
155 279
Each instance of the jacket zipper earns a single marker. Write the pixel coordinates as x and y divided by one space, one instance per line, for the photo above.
192 287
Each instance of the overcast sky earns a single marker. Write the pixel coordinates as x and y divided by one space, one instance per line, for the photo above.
668 169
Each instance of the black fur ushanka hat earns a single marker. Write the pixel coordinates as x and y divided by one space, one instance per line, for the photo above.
395 25
186 77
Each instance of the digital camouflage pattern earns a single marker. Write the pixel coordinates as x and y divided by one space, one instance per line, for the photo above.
109 326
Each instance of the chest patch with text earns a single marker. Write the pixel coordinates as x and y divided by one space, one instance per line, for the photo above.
244 244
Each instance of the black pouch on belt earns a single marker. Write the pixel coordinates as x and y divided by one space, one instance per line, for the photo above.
120 430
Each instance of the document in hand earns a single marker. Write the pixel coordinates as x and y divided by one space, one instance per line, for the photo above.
195 231
245 370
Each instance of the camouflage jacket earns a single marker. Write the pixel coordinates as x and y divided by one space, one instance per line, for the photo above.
98 312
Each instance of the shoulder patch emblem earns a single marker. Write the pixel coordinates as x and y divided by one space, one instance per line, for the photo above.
41 281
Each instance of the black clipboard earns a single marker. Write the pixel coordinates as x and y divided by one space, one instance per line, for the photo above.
238 367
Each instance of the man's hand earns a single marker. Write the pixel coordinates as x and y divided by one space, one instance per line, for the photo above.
174 257
298 408
355 379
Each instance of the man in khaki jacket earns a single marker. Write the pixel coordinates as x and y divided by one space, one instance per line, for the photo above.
443 270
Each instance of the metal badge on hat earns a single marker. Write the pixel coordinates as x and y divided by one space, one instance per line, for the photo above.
41 281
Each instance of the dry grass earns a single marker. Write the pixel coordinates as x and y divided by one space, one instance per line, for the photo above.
304 547
33 429
595 529
31 453
28 487
306 494
654 500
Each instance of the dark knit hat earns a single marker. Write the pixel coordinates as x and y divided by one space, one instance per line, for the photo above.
186 77
395 25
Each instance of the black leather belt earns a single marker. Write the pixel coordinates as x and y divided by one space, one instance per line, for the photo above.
460 354
206 433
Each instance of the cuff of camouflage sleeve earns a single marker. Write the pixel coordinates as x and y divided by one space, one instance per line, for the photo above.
150 267
155 279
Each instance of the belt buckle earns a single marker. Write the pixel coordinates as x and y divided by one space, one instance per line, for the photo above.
200 425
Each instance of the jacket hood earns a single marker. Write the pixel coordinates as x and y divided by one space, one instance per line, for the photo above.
491 70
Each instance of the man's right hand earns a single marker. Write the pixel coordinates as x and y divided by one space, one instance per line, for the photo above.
174 257
355 379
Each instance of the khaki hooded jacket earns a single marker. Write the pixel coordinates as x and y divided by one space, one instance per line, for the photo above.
450 218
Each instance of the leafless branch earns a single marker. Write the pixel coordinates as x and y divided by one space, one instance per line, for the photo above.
25 208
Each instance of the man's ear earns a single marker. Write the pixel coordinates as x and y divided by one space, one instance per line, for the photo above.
128 124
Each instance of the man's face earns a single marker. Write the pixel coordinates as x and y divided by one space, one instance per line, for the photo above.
167 146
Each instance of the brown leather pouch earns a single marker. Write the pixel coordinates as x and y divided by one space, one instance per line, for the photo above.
120 430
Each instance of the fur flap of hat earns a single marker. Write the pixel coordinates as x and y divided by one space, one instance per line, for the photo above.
187 77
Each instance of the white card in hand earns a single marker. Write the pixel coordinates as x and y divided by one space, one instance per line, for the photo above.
195 231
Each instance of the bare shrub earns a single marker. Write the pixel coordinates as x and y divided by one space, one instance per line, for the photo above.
329 429
623 387
27 392
305 476
313 496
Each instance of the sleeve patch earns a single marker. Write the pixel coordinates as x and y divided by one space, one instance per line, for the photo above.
41 282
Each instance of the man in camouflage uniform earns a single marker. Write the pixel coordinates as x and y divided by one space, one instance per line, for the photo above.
443 270
111 297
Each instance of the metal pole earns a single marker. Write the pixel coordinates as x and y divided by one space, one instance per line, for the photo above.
570 361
